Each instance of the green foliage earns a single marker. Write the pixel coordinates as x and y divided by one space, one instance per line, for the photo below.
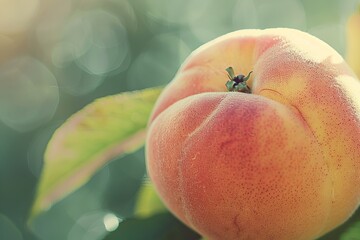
148 202
162 226
353 233
109 127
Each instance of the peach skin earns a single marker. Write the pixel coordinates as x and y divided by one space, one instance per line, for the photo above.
277 156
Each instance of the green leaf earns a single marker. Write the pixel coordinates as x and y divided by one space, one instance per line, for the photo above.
107 128
353 232
162 226
148 202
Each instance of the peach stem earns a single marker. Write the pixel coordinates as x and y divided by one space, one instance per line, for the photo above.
237 83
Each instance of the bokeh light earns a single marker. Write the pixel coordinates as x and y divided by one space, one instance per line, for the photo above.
93 44
108 44
28 93
16 15
125 11
75 81
159 62
91 226
52 17
213 18
172 11
90 197
111 222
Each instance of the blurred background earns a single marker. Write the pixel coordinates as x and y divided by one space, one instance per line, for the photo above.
56 56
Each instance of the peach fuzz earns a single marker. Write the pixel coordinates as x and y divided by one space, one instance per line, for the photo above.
282 162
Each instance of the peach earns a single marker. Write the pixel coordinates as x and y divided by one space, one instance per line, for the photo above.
280 162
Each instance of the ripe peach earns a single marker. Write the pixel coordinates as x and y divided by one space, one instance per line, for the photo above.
281 162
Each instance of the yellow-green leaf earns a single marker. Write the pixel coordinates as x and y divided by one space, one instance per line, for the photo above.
107 128
353 41
148 202
352 233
